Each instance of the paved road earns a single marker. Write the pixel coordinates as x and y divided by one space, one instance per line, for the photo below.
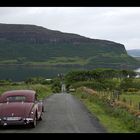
63 114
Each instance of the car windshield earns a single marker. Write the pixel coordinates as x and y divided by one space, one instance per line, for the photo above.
16 99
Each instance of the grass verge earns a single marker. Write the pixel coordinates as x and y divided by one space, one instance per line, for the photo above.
115 120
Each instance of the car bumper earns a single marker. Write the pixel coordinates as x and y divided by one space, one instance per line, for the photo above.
16 122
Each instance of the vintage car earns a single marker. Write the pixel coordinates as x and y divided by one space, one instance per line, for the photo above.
20 107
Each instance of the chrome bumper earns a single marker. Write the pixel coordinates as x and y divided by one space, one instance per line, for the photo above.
23 121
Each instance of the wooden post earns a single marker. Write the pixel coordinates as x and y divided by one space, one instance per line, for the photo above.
130 102
118 97
113 95
139 105
124 100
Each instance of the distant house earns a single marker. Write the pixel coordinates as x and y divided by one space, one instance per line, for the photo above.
137 76
48 79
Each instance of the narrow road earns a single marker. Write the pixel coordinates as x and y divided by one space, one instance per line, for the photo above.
63 114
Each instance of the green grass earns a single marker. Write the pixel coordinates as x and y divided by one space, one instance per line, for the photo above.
67 60
112 124
112 121
134 98
50 61
8 61
42 90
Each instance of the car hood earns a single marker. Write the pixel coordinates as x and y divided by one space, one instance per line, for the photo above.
17 109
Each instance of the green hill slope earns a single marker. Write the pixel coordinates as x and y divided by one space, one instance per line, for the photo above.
31 44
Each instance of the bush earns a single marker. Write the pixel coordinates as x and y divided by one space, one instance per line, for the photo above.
126 83
35 80
84 96
132 90
5 82
90 84
56 85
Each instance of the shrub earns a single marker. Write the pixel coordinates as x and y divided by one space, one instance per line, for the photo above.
90 84
56 85
35 80
132 90
5 82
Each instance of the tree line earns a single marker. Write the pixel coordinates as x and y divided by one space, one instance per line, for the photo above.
98 74
103 79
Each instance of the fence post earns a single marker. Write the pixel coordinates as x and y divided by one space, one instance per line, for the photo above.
130 102
124 100
139 105
118 98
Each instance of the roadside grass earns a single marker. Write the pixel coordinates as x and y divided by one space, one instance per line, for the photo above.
112 124
115 120
42 90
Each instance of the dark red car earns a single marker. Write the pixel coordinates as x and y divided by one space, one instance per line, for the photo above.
20 107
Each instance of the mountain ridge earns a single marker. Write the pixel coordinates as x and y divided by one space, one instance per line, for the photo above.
30 27
24 43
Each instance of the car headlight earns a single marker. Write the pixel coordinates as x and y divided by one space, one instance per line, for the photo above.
0 119
28 119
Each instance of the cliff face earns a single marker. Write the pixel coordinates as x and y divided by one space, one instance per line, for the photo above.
36 43
38 34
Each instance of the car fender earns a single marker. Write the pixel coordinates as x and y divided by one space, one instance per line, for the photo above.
40 108
34 111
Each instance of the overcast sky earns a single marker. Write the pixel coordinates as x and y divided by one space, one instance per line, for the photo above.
119 24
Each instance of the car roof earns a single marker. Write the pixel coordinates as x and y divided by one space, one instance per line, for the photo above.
30 94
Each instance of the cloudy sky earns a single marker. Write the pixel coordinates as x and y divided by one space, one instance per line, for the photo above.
119 24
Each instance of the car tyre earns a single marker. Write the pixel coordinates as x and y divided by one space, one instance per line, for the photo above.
40 118
34 123
42 108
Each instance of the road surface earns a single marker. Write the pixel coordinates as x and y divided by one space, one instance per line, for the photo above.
63 114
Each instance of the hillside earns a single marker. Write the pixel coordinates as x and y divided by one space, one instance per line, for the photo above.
35 45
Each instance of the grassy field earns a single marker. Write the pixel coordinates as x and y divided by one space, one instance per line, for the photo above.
115 120
132 99
42 90
129 98
51 61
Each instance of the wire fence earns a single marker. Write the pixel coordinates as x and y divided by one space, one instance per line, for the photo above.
115 96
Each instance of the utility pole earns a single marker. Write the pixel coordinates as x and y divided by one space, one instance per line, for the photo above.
63 86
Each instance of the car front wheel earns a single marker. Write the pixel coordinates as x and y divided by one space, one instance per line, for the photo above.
34 123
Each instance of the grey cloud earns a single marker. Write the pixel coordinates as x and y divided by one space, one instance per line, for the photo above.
119 24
